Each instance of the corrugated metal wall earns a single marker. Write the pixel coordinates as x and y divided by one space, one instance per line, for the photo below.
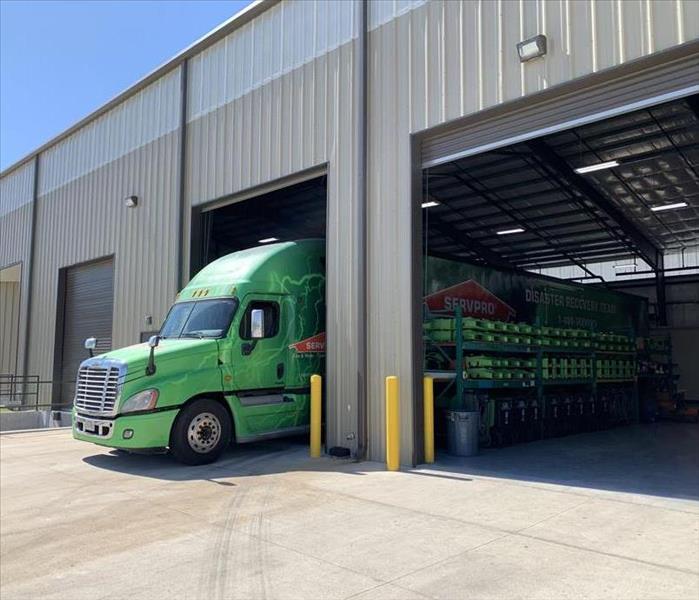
10 295
16 194
81 215
444 60
150 114
16 189
277 97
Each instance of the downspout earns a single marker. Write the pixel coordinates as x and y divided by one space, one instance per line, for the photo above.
30 274
361 74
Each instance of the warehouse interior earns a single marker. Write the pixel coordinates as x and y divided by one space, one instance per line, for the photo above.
292 212
622 191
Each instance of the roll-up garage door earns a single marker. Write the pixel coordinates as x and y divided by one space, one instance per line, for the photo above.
89 300
10 285
646 82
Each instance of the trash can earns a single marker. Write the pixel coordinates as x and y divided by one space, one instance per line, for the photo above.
462 432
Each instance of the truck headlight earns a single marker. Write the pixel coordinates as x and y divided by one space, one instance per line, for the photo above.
144 400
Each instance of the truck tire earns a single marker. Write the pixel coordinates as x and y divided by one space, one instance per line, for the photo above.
202 431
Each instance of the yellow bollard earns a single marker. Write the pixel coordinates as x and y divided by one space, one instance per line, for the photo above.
392 425
316 410
428 393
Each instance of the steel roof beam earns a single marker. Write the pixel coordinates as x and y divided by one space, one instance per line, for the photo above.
504 205
593 246
646 248
468 243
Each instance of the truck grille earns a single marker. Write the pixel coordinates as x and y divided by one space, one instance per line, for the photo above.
97 388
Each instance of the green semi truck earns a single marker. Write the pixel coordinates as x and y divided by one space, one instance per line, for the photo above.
232 360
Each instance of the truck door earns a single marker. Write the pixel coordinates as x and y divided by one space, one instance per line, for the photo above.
260 364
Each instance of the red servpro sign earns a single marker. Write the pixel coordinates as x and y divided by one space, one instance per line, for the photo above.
474 300
315 343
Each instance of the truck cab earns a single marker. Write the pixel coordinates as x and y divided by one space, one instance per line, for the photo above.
232 360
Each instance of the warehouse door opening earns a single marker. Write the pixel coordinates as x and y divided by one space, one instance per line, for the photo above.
10 290
289 213
273 371
85 307
524 333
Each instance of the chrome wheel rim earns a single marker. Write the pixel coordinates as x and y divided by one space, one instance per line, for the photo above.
204 432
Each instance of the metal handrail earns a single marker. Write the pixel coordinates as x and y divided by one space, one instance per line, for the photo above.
16 389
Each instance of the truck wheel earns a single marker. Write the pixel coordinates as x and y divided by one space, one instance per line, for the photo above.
201 433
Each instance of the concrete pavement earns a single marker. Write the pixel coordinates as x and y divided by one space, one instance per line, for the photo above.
612 515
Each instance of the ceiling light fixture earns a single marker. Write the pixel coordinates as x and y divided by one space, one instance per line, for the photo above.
668 206
509 231
625 266
429 204
610 164
267 240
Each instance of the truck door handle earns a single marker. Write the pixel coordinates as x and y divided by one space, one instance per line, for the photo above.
280 370
247 347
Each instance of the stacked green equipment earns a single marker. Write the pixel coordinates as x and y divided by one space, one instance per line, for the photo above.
530 364
555 356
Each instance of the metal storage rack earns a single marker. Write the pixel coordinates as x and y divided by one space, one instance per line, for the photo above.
458 349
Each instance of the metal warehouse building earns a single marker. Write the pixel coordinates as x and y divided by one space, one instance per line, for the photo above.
338 119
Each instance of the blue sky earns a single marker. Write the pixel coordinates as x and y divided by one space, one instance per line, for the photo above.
61 60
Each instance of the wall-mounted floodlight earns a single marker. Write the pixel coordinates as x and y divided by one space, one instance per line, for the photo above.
509 231
268 240
668 206
532 48
429 204
131 201
610 164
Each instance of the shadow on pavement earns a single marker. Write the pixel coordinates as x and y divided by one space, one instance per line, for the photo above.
260 458
660 459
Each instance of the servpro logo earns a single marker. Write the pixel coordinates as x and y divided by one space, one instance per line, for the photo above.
311 345
474 300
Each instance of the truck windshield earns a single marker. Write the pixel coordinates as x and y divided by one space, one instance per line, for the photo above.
199 319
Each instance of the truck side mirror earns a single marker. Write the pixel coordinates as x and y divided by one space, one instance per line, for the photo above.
90 345
257 323
153 342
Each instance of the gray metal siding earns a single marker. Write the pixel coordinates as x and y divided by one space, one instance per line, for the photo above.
138 121
15 235
291 109
16 193
608 96
280 40
87 312
16 190
81 215
418 80
86 219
